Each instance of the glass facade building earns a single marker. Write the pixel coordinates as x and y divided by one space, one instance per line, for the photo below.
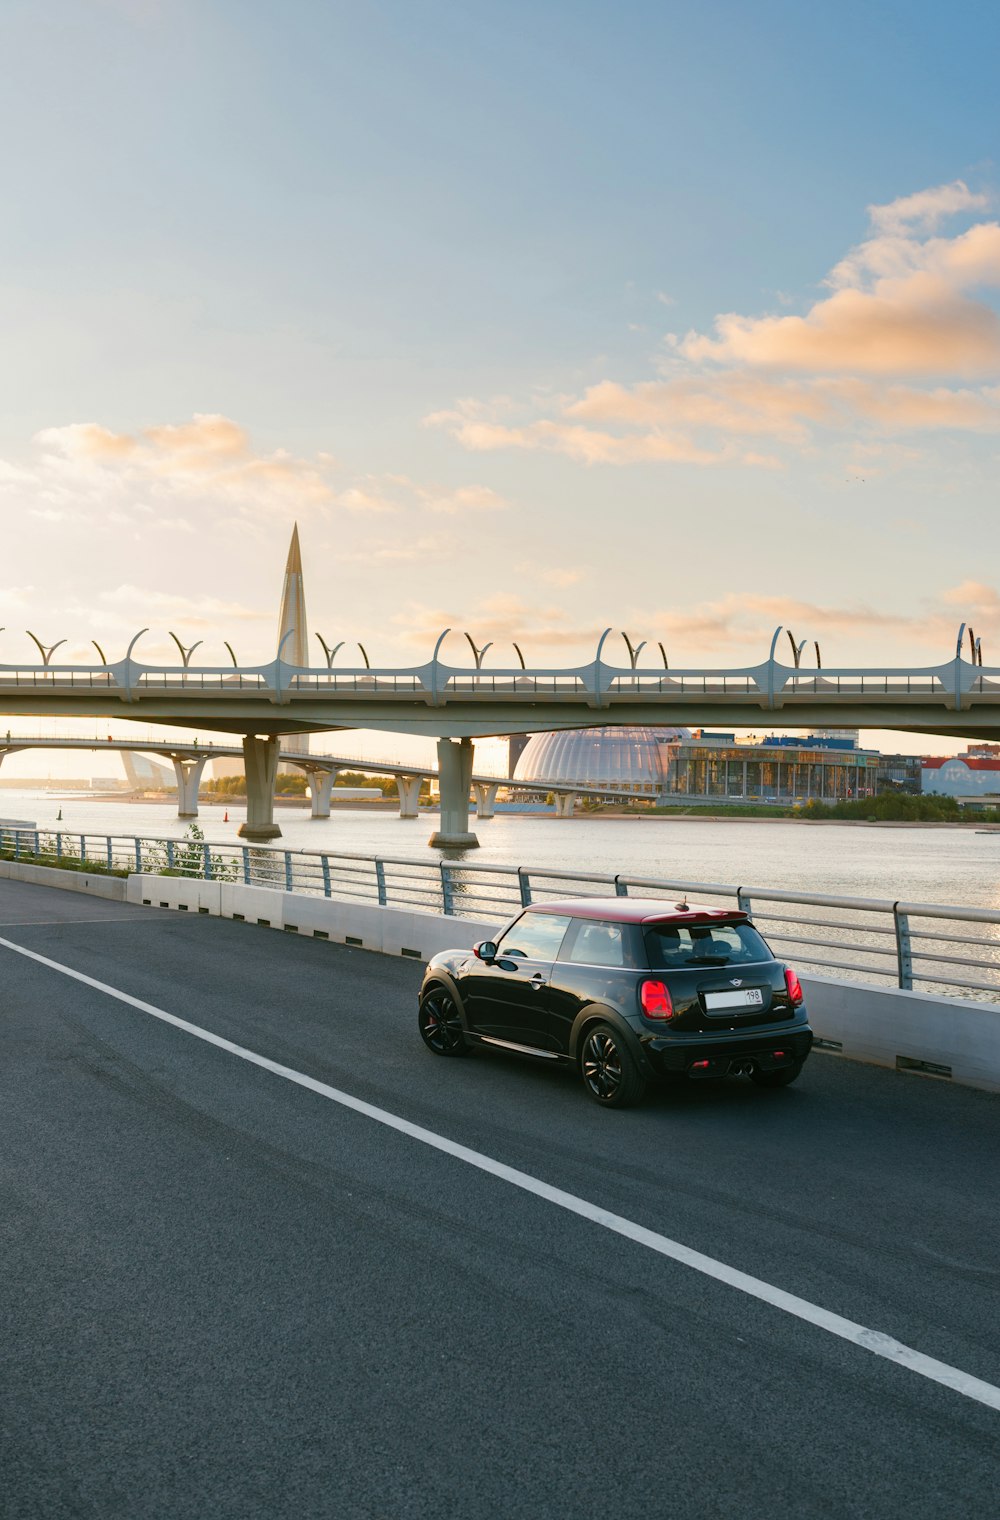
757 773
672 765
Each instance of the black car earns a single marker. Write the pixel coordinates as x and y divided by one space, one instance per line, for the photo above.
625 989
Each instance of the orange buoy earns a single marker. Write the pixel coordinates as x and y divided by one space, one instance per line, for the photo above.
225 817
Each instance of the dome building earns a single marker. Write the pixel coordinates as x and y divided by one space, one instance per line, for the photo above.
634 761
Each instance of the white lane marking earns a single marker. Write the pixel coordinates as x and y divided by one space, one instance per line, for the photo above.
31 923
859 1335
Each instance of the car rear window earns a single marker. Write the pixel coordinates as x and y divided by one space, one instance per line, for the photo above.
716 944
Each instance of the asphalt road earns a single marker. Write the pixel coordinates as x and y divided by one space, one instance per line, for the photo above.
226 1295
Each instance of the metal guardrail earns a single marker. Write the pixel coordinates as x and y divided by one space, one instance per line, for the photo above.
905 944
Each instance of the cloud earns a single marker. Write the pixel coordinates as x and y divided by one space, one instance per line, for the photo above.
457 502
502 619
917 326
904 338
927 208
364 499
900 303
166 476
734 629
729 403
209 459
586 445
197 611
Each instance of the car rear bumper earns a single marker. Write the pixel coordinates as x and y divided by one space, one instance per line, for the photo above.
769 1048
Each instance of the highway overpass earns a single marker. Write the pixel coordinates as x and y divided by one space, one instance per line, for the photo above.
189 761
455 705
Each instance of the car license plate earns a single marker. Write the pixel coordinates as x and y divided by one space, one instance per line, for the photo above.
746 997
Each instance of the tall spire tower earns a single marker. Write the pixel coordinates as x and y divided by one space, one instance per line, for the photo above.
292 622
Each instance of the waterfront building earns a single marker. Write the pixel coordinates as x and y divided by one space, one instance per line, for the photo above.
786 770
674 765
900 773
629 760
974 774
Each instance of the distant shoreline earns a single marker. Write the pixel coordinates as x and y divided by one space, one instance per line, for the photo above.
391 805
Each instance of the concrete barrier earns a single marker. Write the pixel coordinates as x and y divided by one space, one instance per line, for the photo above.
911 1031
110 887
393 931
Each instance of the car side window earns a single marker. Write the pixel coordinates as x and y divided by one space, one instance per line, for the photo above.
535 936
596 943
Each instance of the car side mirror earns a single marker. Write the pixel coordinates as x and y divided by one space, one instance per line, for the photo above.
486 951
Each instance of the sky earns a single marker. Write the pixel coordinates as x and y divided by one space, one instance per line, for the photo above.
539 318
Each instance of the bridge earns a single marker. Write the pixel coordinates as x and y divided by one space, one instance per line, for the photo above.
189 761
456 705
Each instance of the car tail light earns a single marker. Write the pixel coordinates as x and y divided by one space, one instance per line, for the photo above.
655 1000
794 987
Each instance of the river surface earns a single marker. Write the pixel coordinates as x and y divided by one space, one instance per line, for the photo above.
941 865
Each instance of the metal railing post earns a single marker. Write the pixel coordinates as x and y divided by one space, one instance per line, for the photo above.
138 854
524 882
324 861
743 902
58 845
383 896
38 848
17 844
170 854
288 871
447 889
246 865
621 887
904 950
206 862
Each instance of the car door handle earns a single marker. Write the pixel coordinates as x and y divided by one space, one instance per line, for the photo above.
537 981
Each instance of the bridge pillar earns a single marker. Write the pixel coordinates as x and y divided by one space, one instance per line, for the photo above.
188 773
320 787
486 796
565 803
260 762
455 779
408 788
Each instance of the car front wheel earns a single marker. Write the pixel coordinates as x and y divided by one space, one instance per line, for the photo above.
780 1078
439 1024
609 1070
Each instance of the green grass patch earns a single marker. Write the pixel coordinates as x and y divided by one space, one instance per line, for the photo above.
64 863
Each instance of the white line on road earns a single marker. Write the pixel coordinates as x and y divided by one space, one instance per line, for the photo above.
859 1335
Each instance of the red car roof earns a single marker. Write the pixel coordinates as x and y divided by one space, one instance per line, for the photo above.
640 910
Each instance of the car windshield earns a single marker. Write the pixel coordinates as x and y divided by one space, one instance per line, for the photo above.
716 944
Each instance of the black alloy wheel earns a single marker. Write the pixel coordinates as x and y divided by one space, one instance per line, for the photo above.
609 1071
439 1024
782 1077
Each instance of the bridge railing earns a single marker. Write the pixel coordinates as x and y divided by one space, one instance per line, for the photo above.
929 946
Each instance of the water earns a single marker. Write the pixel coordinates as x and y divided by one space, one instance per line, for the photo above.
943 865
